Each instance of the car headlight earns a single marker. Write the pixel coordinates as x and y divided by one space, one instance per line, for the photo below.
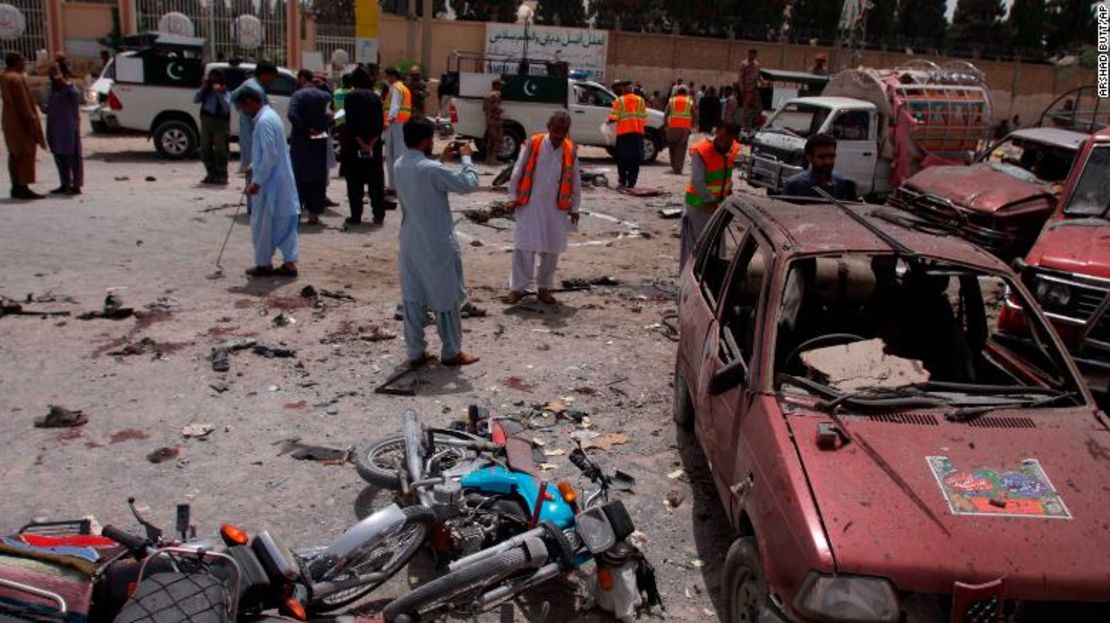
847 599
1052 293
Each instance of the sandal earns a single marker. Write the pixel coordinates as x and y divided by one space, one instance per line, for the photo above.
61 417
285 271
260 271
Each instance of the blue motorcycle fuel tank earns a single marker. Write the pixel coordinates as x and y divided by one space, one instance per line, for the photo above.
497 479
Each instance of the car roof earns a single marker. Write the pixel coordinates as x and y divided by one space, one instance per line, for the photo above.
836 102
244 67
800 229
1068 139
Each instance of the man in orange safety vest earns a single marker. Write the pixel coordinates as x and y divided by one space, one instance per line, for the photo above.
629 114
680 119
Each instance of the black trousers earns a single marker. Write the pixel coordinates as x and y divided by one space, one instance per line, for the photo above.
630 150
365 174
313 196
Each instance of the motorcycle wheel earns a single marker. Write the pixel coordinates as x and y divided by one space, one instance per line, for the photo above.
451 587
387 556
378 462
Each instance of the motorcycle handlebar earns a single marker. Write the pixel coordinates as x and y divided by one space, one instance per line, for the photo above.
126 539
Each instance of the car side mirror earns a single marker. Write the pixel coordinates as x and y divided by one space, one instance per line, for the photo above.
728 377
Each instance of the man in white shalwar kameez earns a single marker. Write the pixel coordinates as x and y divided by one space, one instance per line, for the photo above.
547 189
398 112
429 258
273 191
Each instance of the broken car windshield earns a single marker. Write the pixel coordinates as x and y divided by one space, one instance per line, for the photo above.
1091 196
882 331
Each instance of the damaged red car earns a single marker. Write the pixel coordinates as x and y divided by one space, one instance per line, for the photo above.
882 452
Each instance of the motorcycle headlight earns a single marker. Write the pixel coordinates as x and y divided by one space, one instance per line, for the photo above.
595 530
847 599
1052 294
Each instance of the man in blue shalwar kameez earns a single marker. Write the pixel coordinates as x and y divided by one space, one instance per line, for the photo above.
430 261
276 208
264 75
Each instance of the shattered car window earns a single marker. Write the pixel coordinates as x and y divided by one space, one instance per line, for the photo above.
868 323
1091 196
1031 160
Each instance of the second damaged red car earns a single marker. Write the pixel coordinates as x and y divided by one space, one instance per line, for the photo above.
882 452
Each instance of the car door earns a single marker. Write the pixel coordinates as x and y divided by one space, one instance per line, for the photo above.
729 350
589 109
279 93
234 77
856 147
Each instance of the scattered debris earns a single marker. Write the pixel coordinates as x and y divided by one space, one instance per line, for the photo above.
851 367
605 441
320 454
122 178
270 350
61 417
9 307
556 407
679 474
579 283
197 431
151 178
377 334
49 297
161 455
221 352
517 383
162 305
470 310
674 498
113 310
697 563
496 210
642 191
220 386
332 294
281 320
309 292
670 213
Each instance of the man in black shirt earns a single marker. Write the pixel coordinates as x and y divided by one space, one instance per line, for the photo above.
362 148
821 154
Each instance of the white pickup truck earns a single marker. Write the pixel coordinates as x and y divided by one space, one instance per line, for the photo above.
588 103
168 113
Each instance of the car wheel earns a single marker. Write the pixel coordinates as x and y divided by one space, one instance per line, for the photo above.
745 588
511 140
683 403
650 148
175 140
99 127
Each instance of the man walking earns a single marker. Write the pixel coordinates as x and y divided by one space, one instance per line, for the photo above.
679 121
215 125
308 144
271 186
430 261
547 190
264 75
711 164
491 107
362 148
749 90
63 130
629 113
821 155
22 128
419 89
400 110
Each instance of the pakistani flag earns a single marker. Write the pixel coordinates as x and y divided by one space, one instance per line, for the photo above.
534 89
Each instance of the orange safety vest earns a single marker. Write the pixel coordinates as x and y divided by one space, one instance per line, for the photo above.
629 113
718 173
565 197
682 113
405 112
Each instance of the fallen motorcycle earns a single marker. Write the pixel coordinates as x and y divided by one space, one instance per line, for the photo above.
600 531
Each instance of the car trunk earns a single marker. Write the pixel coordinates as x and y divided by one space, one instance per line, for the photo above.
1048 537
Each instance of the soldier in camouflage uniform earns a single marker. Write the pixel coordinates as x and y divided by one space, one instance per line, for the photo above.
491 106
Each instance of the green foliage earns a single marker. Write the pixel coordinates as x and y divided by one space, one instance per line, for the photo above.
977 22
563 12
1026 26
922 20
881 25
1071 25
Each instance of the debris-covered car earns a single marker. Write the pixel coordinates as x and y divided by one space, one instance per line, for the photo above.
882 452
1068 269
1002 200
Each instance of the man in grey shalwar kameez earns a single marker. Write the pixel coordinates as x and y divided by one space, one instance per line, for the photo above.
63 130
430 261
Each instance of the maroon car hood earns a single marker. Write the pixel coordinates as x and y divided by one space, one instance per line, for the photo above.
977 187
908 532
1074 245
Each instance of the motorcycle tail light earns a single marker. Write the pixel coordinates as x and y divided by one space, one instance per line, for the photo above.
295 609
233 535
604 578
454 113
567 491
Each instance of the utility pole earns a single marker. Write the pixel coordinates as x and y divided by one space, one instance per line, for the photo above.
852 36
426 44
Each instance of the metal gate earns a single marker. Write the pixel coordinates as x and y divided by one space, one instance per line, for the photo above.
332 37
215 21
33 38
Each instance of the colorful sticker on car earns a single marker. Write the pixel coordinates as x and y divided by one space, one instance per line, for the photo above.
1024 491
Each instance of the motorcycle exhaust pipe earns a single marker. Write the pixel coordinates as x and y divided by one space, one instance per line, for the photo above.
498 595
504 546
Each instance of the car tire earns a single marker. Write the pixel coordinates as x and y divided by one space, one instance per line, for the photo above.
99 127
175 139
744 588
651 147
683 402
512 138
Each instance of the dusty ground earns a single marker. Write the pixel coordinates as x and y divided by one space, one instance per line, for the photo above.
145 230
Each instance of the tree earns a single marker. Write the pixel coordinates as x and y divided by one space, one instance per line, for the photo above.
333 11
562 12
815 19
1071 25
881 26
922 21
1026 25
976 22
